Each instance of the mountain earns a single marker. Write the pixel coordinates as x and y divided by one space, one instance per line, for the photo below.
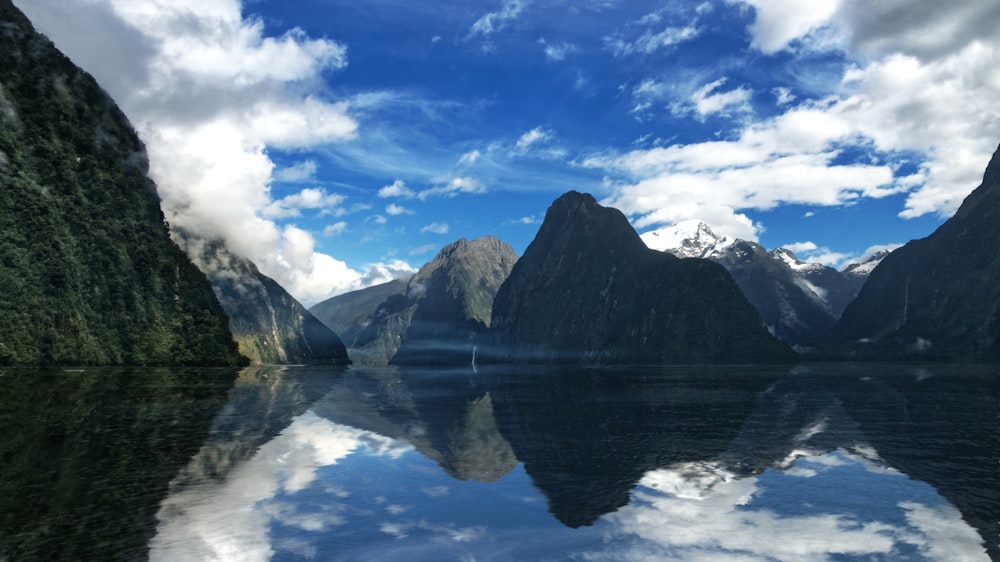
588 290
859 272
937 297
350 313
798 301
442 315
88 273
270 326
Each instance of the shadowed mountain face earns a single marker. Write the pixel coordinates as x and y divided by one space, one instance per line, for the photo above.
937 297
440 318
270 326
88 274
350 313
588 290
798 301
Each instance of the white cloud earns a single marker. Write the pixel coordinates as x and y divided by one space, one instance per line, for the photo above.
650 41
209 92
453 187
709 99
309 198
533 137
556 51
396 189
929 74
303 171
495 21
394 210
786 159
783 96
436 228
778 22
469 158
334 229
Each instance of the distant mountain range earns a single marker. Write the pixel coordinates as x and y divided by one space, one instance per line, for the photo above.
798 301
441 315
88 273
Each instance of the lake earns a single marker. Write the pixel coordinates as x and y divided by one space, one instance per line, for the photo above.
813 462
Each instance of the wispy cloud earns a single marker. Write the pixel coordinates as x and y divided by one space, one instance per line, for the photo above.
436 228
492 22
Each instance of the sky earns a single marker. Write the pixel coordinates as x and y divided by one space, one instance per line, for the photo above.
339 144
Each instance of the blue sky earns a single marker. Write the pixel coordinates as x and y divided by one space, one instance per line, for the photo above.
340 143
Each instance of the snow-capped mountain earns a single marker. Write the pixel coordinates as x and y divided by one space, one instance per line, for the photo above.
797 300
859 272
687 239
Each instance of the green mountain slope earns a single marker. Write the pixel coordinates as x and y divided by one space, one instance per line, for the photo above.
88 273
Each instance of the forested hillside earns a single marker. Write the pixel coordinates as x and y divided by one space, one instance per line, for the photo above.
88 273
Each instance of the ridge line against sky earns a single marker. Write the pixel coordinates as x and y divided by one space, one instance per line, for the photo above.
339 144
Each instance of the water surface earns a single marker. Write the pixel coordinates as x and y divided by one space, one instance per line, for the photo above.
817 462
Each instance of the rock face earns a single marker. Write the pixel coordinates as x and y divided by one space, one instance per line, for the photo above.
350 313
440 318
588 290
88 273
937 297
270 326
798 301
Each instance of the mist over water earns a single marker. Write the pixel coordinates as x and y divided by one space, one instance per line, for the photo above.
815 462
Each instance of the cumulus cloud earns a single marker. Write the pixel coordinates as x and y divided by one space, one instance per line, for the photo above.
925 77
763 168
309 198
334 229
209 92
396 189
394 210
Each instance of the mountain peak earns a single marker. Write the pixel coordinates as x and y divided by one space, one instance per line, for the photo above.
687 239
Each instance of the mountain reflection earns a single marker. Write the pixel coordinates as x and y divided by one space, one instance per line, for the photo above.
586 436
86 455
853 462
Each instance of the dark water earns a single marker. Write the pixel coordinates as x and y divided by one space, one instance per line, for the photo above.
820 462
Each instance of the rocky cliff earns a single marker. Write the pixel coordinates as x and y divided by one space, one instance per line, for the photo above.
88 273
937 297
270 326
588 290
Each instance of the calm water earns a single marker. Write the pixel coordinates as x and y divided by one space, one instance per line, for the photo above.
821 462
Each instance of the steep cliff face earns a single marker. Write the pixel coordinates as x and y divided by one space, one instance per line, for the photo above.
588 290
937 297
270 326
88 273
441 316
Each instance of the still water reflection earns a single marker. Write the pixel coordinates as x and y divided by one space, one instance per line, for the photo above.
824 462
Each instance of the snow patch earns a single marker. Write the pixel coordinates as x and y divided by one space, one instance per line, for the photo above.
687 239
